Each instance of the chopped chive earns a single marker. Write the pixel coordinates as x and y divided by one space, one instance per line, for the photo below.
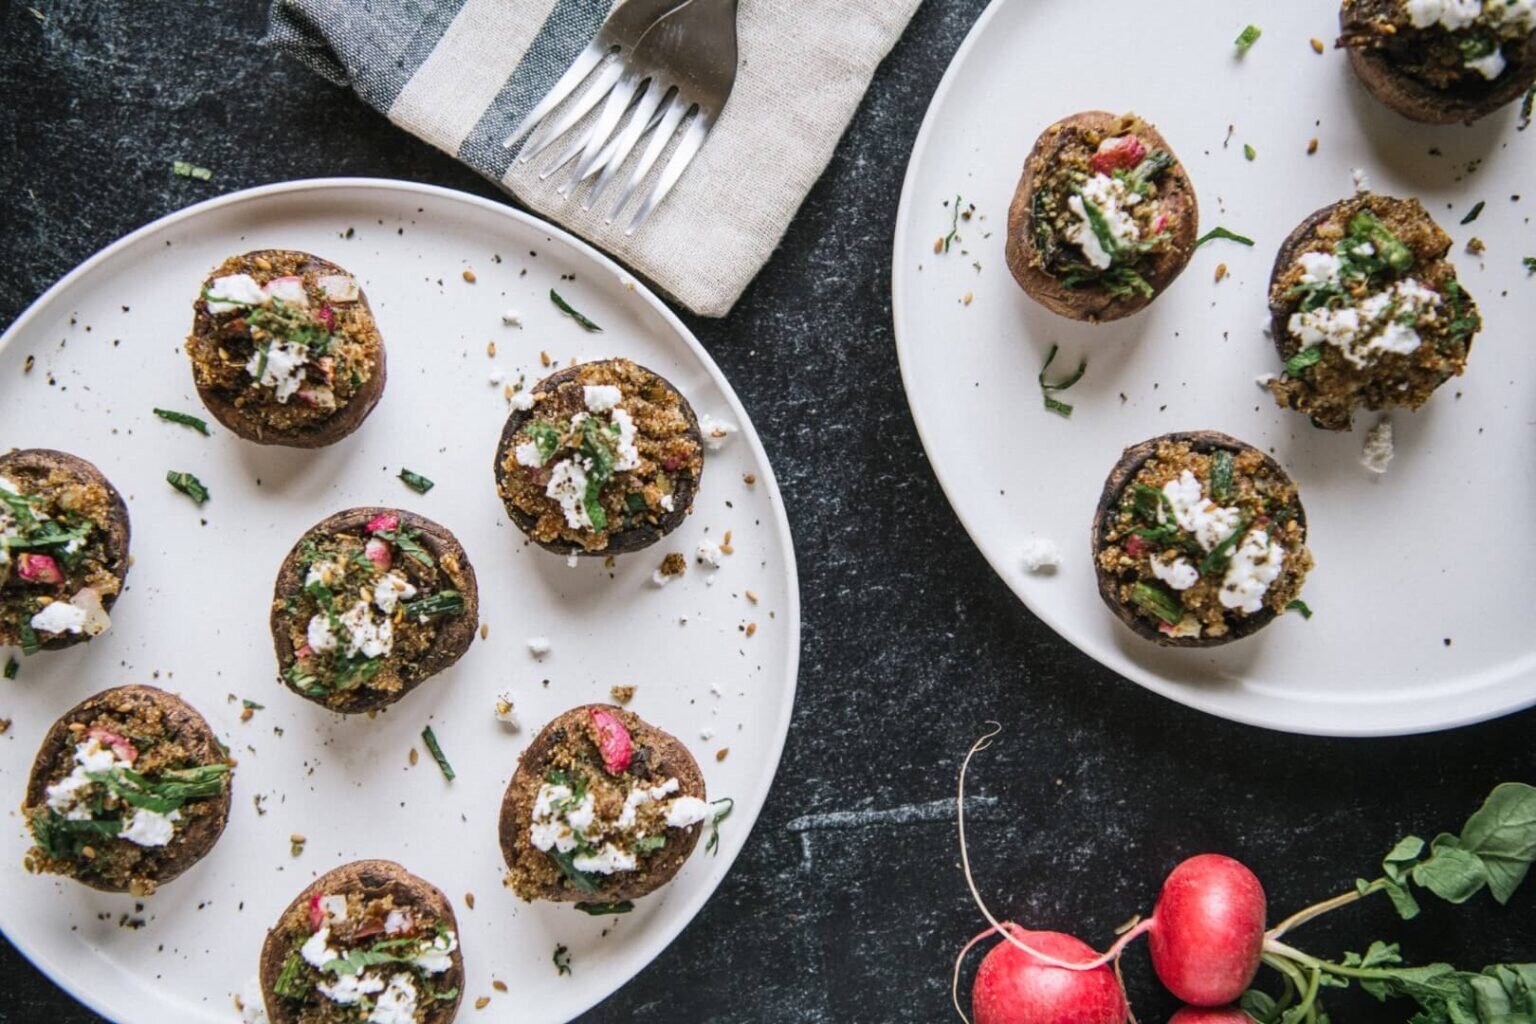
1249 153
1530 264
713 846
565 307
1247 38
1303 359
30 645
12 666
252 705
1221 554
444 602
1158 602
1475 212
1299 606
430 739
1222 233
1046 387
416 482
604 909
954 226
1221 476
187 170
184 419
189 485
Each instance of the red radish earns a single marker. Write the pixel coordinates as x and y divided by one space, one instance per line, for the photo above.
316 912
379 553
1137 545
1119 153
124 749
1015 987
613 741
38 568
384 522
1208 930
1207 1015
327 318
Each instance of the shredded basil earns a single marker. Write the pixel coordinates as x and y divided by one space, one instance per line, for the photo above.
63 839
605 909
291 983
546 438
444 602
189 170
1158 602
1475 212
406 541
562 960
1046 387
12 666
1249 153
189 485
1247 38
1303 359
416 482
1530 264
954 226
1221 554
1221 476
1219 232
29 642
648 844
430 739
565 307
567 864
1299 606
184 419
713 846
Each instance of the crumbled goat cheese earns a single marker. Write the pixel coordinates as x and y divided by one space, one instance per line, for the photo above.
1198 515
716 432
437 957
521 401
1382 322
372 639
1320 267
667 503
686 811
1178 574
1114 201
1040 554
227 294
568 486
528 454
1255 565
498 375
317 951
338 287
538 646
90 756
626 455
397 1005
283 371
1378 451
512 318
506 714
319 635
327 572
1362 183
335 908
661 579
1490 67
708 552
391 589
601 398
150 828
349 989
606 861
59 617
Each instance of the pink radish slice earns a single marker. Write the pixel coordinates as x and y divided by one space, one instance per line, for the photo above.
289 290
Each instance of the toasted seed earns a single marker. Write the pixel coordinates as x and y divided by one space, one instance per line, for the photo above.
752 596
413 757
1221 272
722 753
485 630
246 714
482 1002
544 358
1317 45
967 298
469 276
499 985
749 479
490 349
1311 147
469 900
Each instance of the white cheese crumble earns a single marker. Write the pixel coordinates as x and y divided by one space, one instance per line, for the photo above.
437 956
335 908
349 989
667 502
397 1005
506 714
1178 574
497 375
338 287
577 826
538 646
366 636
1040 554
522 401
717 433
626 455
59 617
686 811
512 318
1362 182
1255 564
528 454
661 579
708 552
1320 267
317 950
390 590
1208 522
90 756
568 486
283 371
601 398
1114 201
1385 321
606 861
287 290
319 635
150 828
227 294
1490 66
1378 451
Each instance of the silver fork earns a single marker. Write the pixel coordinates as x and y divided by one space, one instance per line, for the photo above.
682 67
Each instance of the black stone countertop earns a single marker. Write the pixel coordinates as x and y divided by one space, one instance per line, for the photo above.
911 642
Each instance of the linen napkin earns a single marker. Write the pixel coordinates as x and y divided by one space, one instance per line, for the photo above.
461 74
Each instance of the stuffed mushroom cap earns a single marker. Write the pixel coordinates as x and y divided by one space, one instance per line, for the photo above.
603 807
1199 540
55 595
1366 310
1121 168
285 349
358 907
151 825
601 458
1441 63
369 604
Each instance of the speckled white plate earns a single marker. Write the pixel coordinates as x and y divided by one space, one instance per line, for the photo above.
107 342
1423 585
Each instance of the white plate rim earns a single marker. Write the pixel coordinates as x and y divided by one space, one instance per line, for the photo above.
1192 697
691 908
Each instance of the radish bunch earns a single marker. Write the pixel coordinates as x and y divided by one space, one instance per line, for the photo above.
1206 938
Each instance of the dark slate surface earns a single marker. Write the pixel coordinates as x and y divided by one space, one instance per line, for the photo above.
911 642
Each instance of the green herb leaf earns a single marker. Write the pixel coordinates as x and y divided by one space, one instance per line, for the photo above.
546 437
1530 264
1502 833
565 307
187 170
566 862
712 847
189 485
252 705
1157 602
648 844
1526 107
1221 476
184 419
30 645
430 739
1249 153
1453 874
605 909
63 838
954 226
416 482
12 666
1303 359
291 983
1474 213
1389 247
405 540
1219 232
444 602
1247 38
1100 227
1046 387
1221 554
1299 606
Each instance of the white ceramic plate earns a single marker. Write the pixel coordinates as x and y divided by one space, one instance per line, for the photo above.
107 341
1423 583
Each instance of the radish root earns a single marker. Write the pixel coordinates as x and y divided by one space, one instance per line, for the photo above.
954 981
1001 928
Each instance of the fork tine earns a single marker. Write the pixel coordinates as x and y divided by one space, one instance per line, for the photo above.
693 141
618 102
672 116
606 155
642 119
574 76
548 133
